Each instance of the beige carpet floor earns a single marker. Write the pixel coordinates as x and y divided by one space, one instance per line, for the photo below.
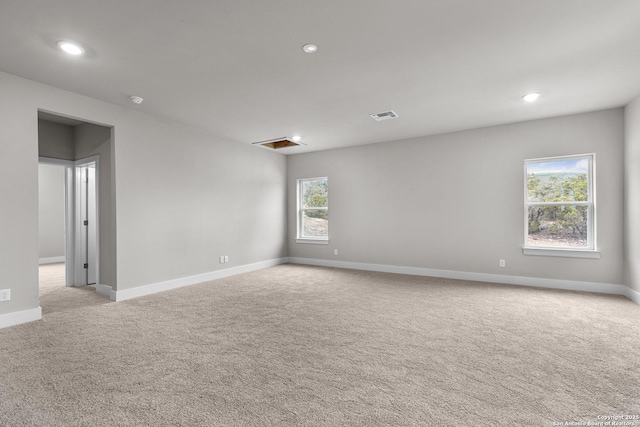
312 346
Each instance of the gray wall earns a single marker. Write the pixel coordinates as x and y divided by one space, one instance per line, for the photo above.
51 210
455 201
55 140
632 195
19 193
183 196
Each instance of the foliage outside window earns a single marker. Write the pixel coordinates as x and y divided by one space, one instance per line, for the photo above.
560 203
313 209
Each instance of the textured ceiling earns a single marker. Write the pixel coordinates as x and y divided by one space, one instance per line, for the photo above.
236 67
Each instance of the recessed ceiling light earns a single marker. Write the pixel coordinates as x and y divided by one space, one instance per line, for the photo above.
136 99
70 48
310 48
296 138
530 97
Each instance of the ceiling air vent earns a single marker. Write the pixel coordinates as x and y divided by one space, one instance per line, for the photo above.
385 115
277 143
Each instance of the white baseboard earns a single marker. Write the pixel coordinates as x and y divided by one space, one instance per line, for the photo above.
569 285
104 290
191 280
51 260
18 317
632 295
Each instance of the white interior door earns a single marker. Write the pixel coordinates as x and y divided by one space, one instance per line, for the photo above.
92 229
82 278
87 223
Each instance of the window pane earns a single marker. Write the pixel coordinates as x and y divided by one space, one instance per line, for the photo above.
315 223
558 181
314 193
558 226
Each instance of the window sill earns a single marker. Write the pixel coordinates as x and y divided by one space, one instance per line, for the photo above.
313 241
568 253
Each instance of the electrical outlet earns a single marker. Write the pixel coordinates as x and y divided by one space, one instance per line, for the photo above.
221 259
5 294
335 252
226 258
502 263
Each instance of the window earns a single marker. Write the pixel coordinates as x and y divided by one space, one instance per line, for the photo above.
313 210
560 206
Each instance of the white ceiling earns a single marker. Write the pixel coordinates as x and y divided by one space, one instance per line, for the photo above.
236 67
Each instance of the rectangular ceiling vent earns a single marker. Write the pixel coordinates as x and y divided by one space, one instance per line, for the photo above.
277 143
385 115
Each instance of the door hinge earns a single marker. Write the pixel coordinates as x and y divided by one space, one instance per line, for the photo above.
86 265
86 222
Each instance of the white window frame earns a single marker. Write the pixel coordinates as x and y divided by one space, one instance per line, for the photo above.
591 250
301 209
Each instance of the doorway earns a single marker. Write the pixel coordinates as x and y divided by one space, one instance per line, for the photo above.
68 195
86 152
